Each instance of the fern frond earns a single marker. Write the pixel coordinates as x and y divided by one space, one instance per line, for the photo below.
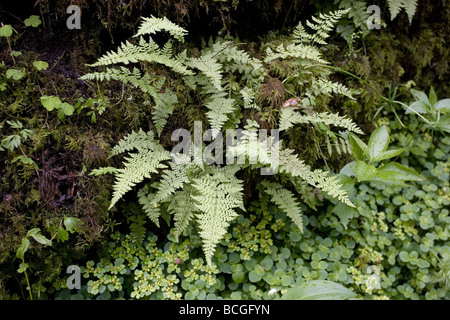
339 145
138 166
152 25
171 180
163 109
143 82
326 86
136 140
322 25
248 97
149 205
218 195
147 51
182 206
102 171
218 110
289 117
395 6
286 201
210 68
302 51
289 163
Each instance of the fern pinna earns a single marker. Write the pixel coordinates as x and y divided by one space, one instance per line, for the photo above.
226 81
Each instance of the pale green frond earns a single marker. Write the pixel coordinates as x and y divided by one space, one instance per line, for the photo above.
136 140
137 167
171 180
149 204
163 108
218 112
216 199
289 117
102 171
146 51
152 25
144 82
286 201
395 6
302 51
182 206
210 68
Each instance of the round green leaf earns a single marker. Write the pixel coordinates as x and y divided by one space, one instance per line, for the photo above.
6 31
14 74
33 21
50 102
40 65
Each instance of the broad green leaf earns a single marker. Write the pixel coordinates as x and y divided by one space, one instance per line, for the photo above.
388 154
432 97
6 31
359 148
349 169
420 96
394 171
23 248
345 213
33 21
40 65
33 231
443 105
378 142
67 108
50 102
41 239
444 123
14 74
22 267
419 107
319 290
15 53
71 224
364 171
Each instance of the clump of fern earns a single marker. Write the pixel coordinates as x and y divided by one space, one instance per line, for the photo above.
226 83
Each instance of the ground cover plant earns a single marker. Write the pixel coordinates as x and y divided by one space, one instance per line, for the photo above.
307 162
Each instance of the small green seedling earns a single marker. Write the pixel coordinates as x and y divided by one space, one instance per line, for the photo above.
54 103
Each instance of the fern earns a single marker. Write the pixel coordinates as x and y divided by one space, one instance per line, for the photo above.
322 25
210 68
225 81
163 108
183 207
149 205
140 141
295 167
218 110
339 145
152 25
138 166
295 51
171 180
286 201
143 82
395 6
289 117
147 51
219 193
